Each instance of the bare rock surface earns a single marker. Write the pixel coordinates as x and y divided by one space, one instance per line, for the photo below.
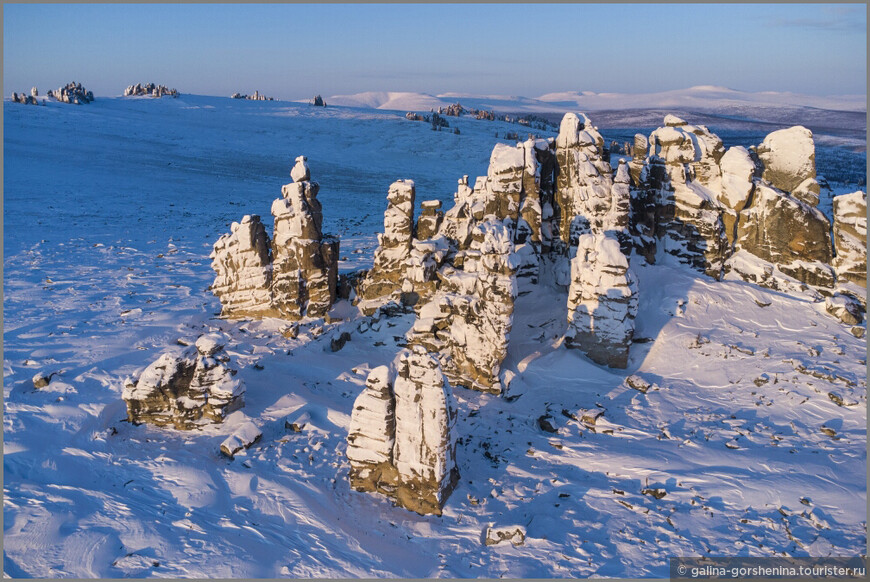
850 237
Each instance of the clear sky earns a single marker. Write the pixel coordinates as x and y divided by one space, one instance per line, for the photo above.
292 51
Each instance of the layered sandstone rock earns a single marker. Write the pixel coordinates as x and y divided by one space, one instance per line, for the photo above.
243 263
401 441
293 275
468 321
602 301
188 388
850 237
792 234
384 281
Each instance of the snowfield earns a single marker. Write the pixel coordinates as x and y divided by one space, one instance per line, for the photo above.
750 439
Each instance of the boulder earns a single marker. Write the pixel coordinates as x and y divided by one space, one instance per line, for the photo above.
242 438
789 158
845 308
243 265
430 219
850 237
602 301
186 388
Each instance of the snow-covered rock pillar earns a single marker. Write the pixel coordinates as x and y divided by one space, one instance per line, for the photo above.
602 301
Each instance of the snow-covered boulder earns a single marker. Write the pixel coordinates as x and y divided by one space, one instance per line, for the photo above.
850 237
186 388
242 438
602 301
789 233
738 170
384 280
845 308
429 220
243 264
293 275
789 158
300 172
401 440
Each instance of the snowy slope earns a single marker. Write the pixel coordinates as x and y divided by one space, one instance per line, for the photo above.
110 211
701 98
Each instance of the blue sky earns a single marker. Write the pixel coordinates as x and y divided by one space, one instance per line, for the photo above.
293 51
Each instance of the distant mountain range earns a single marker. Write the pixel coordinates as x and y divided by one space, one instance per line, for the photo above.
701 98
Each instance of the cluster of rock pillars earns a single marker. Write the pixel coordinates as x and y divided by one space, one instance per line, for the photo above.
549 211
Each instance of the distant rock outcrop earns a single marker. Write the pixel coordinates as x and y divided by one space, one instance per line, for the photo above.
26 99
188 388
293 275
149 90
255 97
318 101
401 441
72 93
850 237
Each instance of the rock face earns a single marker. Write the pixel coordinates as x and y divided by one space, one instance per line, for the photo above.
401 441
242 260
583 187
72 93
149 90
186 389
783 230
468 321
602 301
385 280
850 237
293 275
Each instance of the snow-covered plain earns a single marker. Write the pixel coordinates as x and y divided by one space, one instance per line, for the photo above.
110 211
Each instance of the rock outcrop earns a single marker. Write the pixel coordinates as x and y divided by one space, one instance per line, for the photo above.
850 237
583 187
291 276
789 233
401 441
242 260
789 158
385 280
602 301
149 90
468 321
255 97
185 389
26 99
72 93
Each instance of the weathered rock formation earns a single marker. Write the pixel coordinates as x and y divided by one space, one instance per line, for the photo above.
255 97
185 389
789 233
72 93
583 187
602 301
293 275
789 158
243 263
242 438
149 90
401 441
26 99
467 322
385 280
850 237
